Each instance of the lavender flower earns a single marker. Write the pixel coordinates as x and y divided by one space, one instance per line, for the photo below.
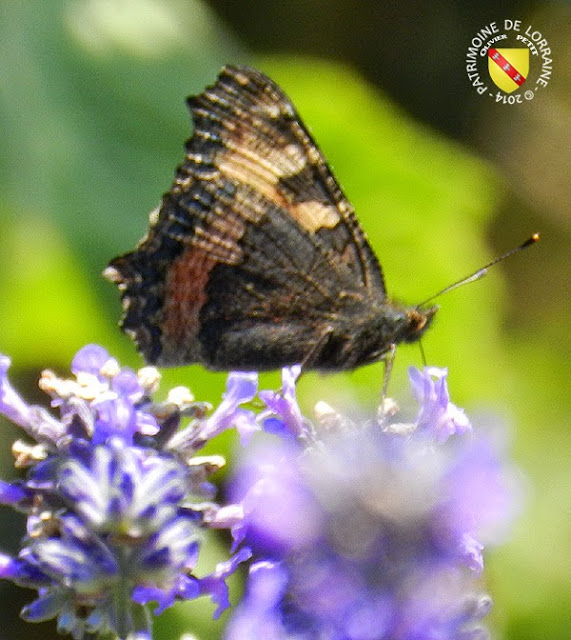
116 500
371 532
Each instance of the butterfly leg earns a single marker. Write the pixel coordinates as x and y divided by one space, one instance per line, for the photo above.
386 406
313 354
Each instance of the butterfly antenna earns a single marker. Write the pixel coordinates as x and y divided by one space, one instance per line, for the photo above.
477 275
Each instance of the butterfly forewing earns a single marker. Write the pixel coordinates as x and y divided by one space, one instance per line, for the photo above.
264 145
255 251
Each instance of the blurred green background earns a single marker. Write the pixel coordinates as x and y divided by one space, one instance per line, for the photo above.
93 121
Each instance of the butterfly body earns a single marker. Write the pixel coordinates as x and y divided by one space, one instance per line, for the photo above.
254 258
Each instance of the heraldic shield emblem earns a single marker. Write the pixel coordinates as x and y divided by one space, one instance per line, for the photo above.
508 67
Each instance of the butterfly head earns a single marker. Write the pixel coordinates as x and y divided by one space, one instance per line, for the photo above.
392 324
418 321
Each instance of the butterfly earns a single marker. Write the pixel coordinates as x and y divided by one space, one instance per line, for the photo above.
254 258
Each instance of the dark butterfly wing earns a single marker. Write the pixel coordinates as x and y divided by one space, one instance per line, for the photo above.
255 239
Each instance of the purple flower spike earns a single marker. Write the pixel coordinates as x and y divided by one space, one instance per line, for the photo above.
370 533
115 509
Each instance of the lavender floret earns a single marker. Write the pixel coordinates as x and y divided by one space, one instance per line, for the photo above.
116 509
